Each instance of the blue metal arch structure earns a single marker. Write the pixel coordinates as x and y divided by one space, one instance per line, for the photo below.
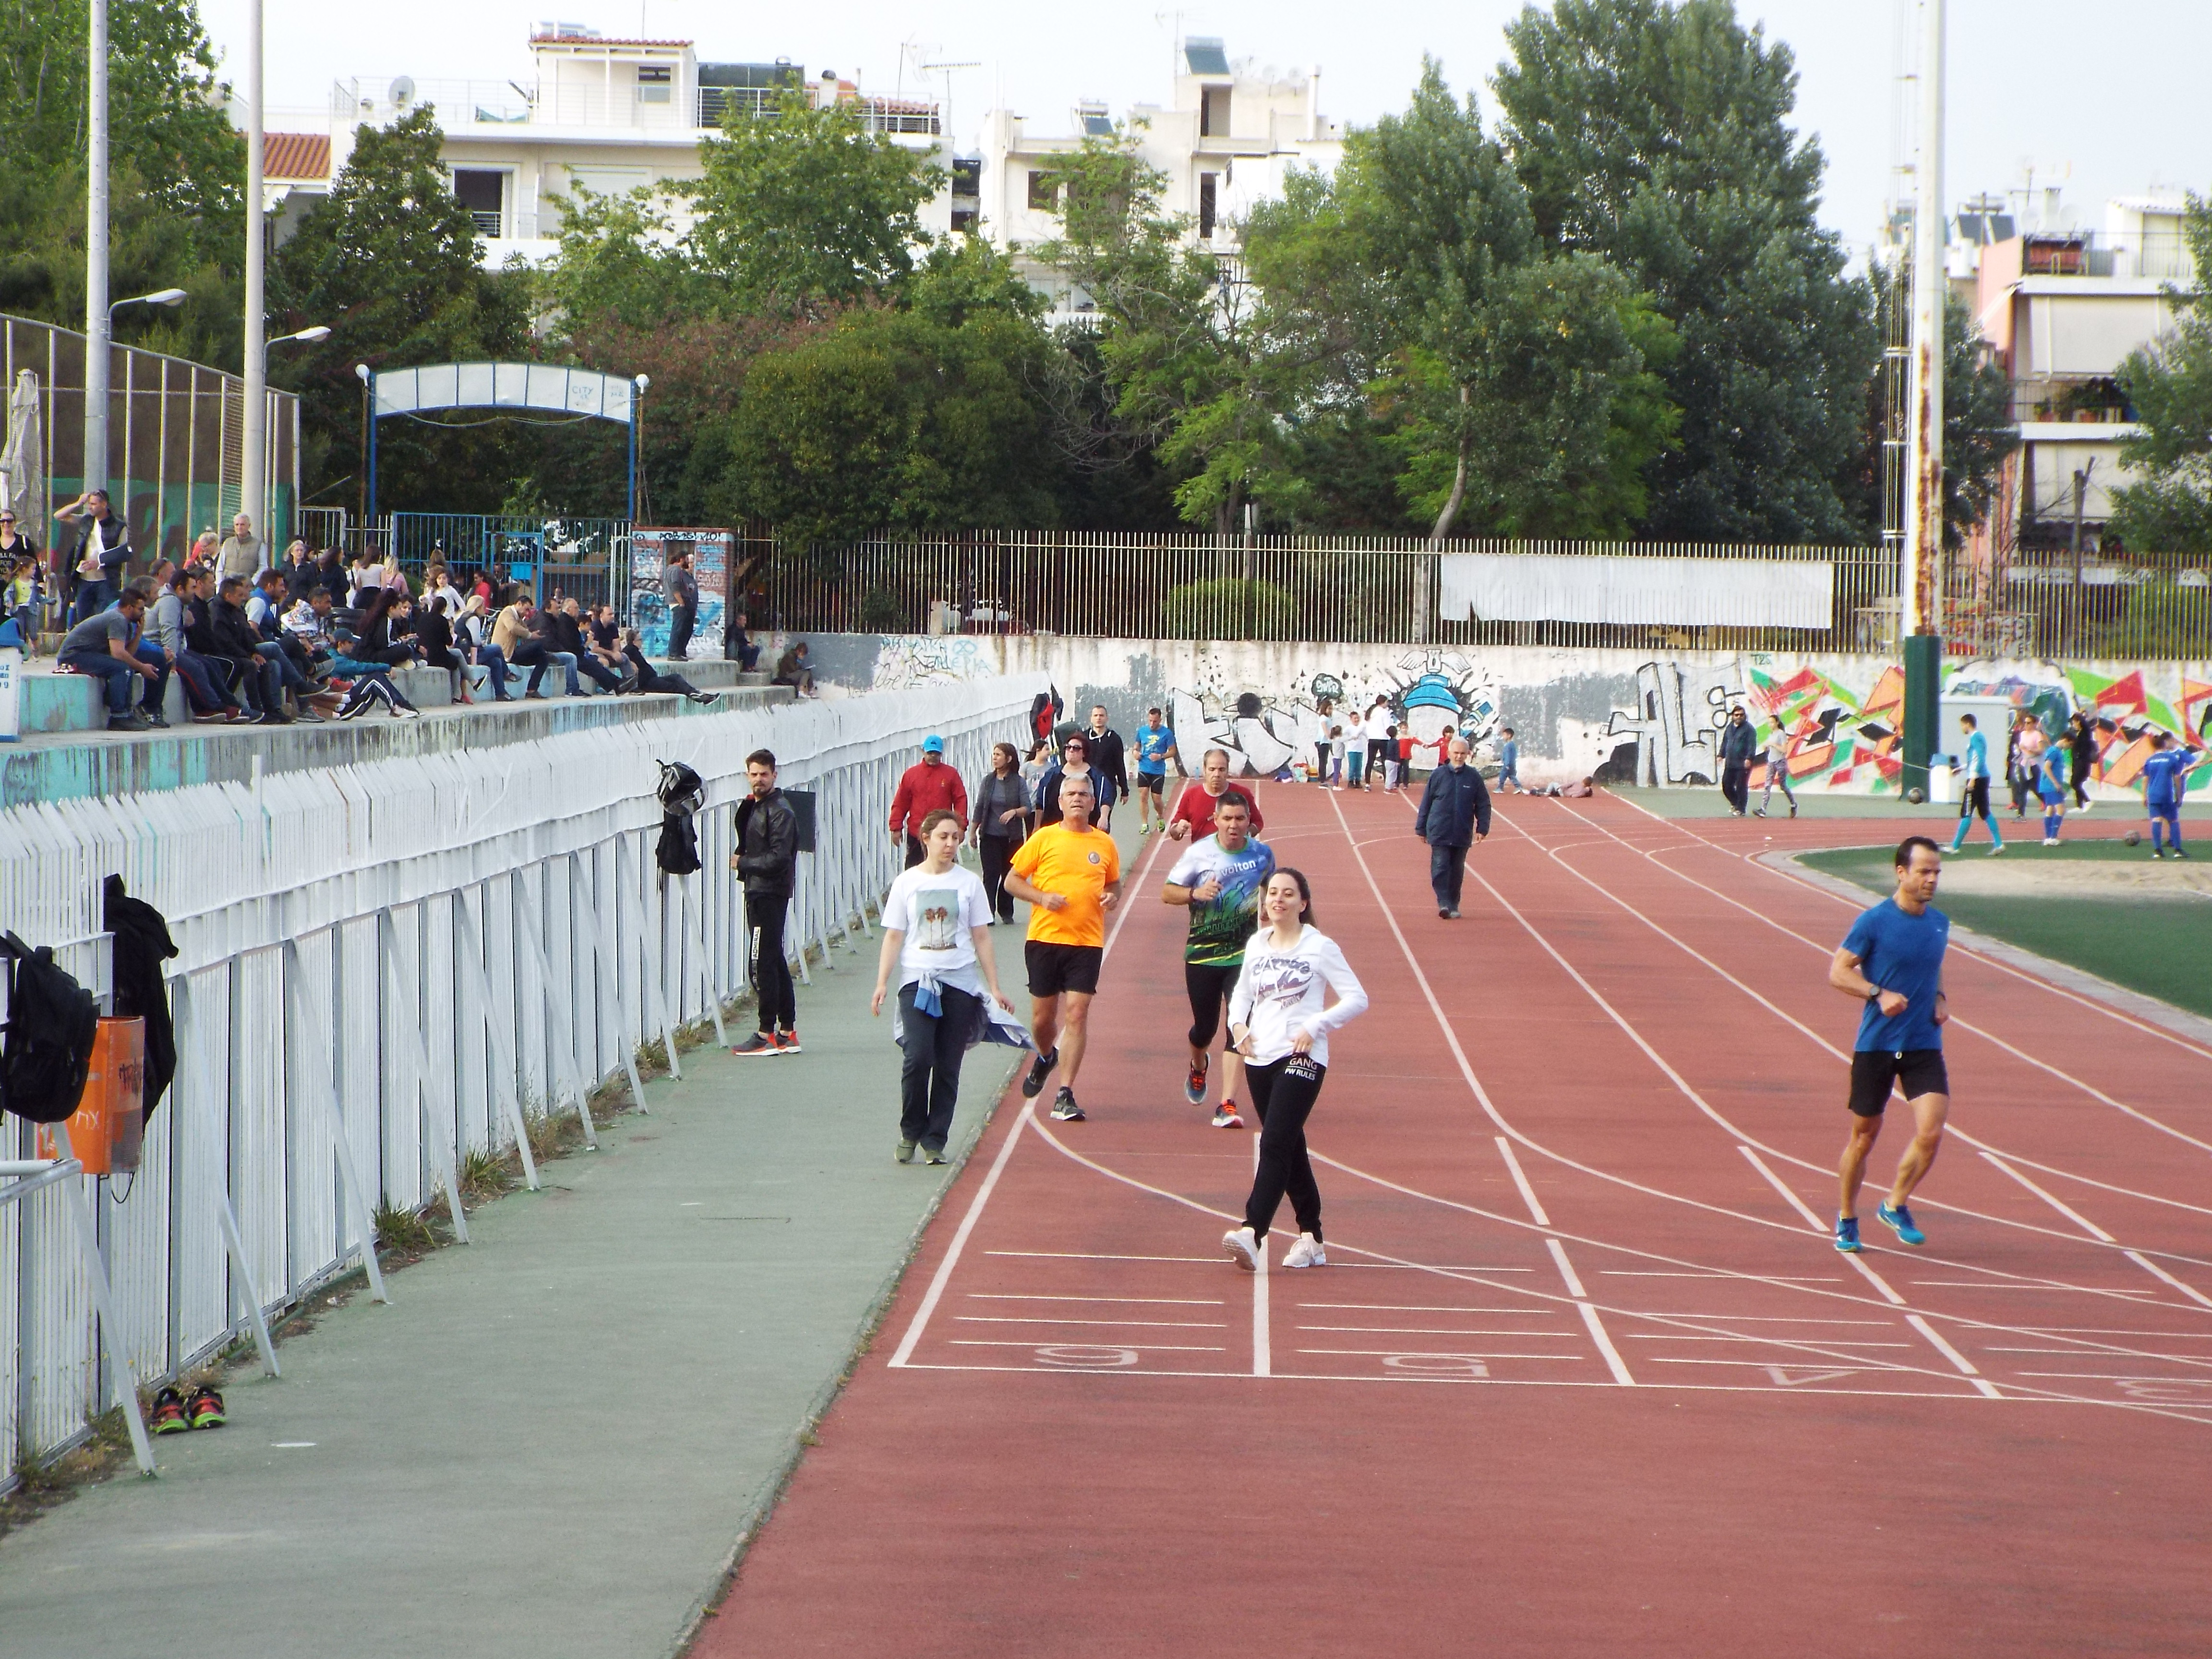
548 387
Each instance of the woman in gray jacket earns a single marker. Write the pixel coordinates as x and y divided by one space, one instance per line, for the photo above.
1002 824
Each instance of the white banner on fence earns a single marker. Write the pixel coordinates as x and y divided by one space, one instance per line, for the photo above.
1606 587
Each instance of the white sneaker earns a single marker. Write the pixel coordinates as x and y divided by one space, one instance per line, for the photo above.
1997 850
2051 841
1305 1251
1244 1247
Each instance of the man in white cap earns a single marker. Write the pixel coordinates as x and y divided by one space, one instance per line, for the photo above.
929 786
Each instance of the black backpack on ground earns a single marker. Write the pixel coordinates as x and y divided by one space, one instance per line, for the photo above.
52 1022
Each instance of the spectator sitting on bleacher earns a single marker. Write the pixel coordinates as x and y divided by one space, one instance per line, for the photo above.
264 605
105 645
434 633
795 672
307 623
738 645
472 637
207 685
516 633
566 635
603 634
228 635
647 679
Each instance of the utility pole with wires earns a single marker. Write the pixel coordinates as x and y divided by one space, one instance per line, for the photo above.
254 496
95 253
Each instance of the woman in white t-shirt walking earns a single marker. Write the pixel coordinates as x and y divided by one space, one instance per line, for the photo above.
1277 1021
936 923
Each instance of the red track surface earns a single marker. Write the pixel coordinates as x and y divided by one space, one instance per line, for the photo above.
1584 1377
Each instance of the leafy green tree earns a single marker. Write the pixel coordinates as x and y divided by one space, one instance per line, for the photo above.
2170 384
389 263
808 208
177 172
894 420
620 259
1655 134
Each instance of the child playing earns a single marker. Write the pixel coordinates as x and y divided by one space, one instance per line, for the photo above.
2051 789
23 604
1335 755
1509 760
2163 772
1405 757
1390 761
1777 771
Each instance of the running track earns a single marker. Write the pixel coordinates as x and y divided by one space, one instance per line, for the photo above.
1584 1376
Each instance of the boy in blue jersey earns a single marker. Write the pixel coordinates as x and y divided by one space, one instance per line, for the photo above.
1156 747
2163 774
1220 880
1891 960
2051 790
1973 770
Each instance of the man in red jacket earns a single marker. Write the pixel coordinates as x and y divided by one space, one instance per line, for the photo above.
930 787
1193 818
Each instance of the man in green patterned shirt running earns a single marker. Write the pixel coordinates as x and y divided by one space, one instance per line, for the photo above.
1220 880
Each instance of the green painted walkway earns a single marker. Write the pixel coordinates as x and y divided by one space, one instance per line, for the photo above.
553 1440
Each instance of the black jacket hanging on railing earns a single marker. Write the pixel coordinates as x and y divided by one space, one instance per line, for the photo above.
52 1022
683 792
142 946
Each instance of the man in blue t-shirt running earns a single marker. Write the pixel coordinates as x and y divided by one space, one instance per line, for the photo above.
1891 960
1219 879
1156 747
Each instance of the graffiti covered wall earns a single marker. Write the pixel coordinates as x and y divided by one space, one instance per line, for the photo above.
1646 718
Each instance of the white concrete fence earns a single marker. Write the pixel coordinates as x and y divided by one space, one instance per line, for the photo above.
387 966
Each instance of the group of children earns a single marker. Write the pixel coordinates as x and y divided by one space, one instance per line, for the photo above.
1376 750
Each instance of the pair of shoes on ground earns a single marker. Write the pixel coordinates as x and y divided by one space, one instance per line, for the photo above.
907 1150
176 1411
767 1043
1448 913
1242 1248
1895 1217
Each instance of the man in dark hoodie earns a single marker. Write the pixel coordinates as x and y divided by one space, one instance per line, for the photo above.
1738 745
767 861
236 638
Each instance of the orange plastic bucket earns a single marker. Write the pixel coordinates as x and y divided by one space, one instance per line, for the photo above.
105 1131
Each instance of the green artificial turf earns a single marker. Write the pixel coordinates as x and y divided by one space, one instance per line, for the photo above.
2160 944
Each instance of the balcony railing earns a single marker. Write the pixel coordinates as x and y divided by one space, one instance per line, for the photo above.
481 107
2162 255
2069 401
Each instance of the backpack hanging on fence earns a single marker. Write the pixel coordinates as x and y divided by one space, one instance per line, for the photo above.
142 946
683 792
52 1022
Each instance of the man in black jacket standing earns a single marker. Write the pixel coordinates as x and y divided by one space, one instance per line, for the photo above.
1454 815
767 861
1738 744
1109 756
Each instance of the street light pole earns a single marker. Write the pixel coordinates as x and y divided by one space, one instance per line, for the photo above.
254 493
1921 588
95 253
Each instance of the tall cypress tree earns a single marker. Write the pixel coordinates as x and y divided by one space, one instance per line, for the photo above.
1655 134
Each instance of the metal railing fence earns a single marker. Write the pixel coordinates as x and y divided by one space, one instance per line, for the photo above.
1356 589
588 558
411 955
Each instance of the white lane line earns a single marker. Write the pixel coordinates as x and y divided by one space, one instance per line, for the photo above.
944 1274
1775 1181
1117 1324
1449 1353
1965 1365
1528 1192
1874 1279
1429 1330
1263 1353
2152 1267
2140 1297
1566 1269
1755 1338
1097 1255
1717 1273
1149 1301
1142 1347
2074 1215
1419 1307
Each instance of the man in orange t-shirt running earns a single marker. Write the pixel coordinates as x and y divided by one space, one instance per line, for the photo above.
1070 875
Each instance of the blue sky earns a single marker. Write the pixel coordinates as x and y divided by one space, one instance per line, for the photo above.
2113 91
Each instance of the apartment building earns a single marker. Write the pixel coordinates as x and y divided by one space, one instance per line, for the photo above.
1225 140
606 114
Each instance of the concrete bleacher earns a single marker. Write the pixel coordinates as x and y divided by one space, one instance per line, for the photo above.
66 750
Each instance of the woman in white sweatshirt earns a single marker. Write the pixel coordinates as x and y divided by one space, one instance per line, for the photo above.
1277 1021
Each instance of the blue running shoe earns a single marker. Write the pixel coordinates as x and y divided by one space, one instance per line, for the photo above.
1898 1220
1847 1234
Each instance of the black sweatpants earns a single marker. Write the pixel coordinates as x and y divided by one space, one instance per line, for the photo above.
1283 1093
2079 778
929 1077
1447 874
679 632
779 1004
1735 785
998 855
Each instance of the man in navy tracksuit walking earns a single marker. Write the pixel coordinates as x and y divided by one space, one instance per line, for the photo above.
1454 814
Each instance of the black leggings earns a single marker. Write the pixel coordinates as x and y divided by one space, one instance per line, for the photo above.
929 1077
998 854
1283 1093
778 1003
2078 777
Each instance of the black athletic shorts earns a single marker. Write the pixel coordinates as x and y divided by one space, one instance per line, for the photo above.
1057 967
1917 1072
1209 986
1155 781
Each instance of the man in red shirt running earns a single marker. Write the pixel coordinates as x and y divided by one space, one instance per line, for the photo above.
1193 816
929 786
